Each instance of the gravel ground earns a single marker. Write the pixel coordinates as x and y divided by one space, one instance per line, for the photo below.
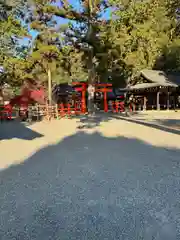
118 179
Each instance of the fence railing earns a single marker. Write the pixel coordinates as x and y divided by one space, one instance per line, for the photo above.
57 111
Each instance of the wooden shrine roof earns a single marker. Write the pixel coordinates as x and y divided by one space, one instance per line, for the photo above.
155 79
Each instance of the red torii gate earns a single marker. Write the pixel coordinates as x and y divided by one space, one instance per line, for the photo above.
83 89
105 89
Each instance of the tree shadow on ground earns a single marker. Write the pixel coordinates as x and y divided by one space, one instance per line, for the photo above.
89 186
89 122
17 129
159 125
169 122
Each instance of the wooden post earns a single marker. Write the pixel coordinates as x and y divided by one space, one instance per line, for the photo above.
144 103
68 110
174 102
57 113
82 89
117 106
62 110
1 96
83 107
105 89
168 103
29 113
47 112
37 112
49 87
158 105
105 101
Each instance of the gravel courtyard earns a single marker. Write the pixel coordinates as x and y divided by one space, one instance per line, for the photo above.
103 178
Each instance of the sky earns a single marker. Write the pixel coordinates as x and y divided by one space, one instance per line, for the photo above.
76 5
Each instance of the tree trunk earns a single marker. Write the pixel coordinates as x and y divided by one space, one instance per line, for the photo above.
91 82
91 93
1 96
91 90
90 64
49 87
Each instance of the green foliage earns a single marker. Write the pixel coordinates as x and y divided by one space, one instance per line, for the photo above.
140 34
17 70
82 37
144 29
11 30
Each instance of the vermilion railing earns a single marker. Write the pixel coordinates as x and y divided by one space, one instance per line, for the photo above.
79 106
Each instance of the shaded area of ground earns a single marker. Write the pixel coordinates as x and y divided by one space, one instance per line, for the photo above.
92 187
157 124
175 123
17 129
166 125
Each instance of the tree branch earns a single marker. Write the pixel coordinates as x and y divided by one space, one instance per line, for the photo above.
67 14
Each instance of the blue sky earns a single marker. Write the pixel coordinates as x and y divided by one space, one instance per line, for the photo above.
77 6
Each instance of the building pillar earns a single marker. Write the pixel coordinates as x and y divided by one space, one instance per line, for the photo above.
158 105
168 102
144 103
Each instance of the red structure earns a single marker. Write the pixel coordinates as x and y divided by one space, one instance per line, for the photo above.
119 106
82 87
101 87
104 89
31 94
28 96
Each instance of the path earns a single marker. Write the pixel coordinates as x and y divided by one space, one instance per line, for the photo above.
118 180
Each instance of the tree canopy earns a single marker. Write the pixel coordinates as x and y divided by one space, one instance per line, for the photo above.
102 40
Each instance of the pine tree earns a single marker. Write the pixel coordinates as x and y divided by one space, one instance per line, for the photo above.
83 33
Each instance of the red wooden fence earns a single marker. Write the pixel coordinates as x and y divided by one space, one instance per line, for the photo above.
79 106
